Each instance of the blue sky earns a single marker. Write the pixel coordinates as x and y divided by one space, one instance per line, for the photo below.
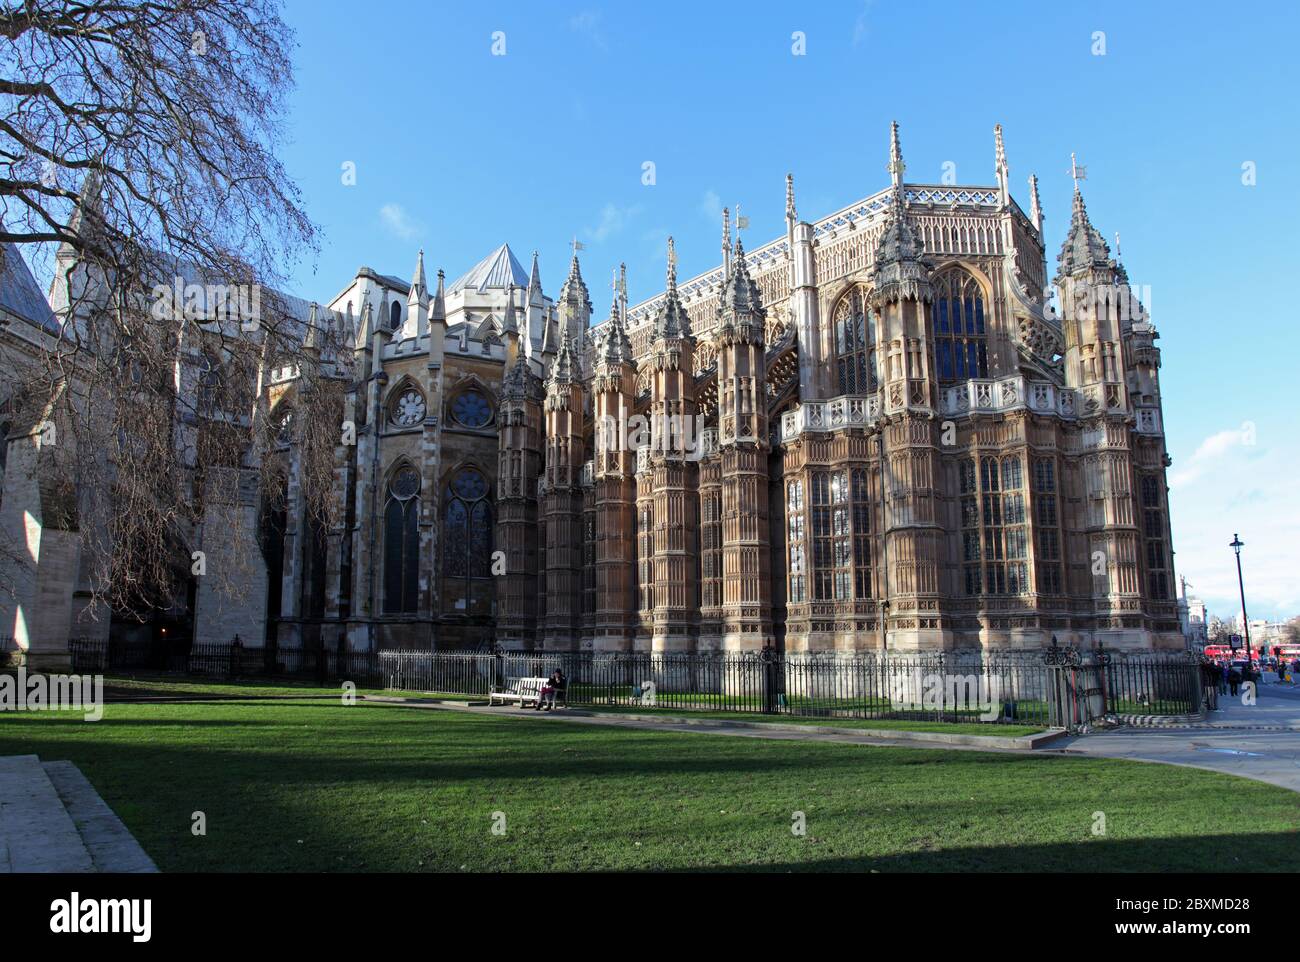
457 150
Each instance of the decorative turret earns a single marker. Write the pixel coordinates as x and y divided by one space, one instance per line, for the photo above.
899 271
1084 248
740 309
574 303
566 369
671 321
616 347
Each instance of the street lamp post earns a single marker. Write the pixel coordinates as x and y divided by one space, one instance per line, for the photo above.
1237 545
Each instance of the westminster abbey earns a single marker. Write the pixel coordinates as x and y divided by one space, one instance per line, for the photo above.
890 428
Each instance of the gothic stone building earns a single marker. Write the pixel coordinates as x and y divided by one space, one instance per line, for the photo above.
877 431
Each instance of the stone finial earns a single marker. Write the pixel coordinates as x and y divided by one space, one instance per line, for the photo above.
896 165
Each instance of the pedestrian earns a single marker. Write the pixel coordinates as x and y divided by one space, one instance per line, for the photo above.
1223 678
1234 680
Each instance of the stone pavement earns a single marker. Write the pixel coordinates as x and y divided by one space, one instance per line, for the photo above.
1260 741
715 726
53 820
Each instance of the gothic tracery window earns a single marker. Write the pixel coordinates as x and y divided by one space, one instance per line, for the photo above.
958 327
402 542
467 527
471 409
798 559
407 408
855 349
1153 531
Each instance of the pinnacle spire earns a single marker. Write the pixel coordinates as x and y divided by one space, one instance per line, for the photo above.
1084 246
439 311
508 323
419 289
1000 165
671 319
1035 205
741 302
564 370
790 214
534 282
726 244
622 292
617 347
896 165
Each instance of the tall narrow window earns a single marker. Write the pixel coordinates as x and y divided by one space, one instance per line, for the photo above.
1047 561
970 526
1016 533
957 324
1153 531
832 537
467 527
711 548
861 535
995 573
402 542
798 559
855 351
645 555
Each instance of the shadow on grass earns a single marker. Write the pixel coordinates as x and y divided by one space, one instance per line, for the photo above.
1199 854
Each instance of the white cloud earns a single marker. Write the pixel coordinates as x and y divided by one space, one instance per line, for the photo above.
398 221
587 23
1207 454
613 219
711 206
860 26
1231 485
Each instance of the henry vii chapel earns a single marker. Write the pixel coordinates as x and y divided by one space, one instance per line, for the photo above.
889 428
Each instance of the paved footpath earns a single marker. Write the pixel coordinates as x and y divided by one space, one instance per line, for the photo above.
1260 741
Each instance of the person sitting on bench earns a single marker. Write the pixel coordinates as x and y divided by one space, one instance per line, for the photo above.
556 683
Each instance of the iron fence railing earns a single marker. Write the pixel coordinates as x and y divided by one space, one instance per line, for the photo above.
1059 688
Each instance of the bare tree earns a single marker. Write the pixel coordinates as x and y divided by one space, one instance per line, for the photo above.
139 137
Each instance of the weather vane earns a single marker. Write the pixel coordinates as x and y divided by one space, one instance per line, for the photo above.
1077 171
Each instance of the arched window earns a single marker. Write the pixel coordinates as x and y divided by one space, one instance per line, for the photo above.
209 382
471 408
957 324
855 348
402 542
467 528
395 315
407 408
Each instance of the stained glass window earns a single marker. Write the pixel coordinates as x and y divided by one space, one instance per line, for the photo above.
467 527
957 322
471 409
402 543
855 351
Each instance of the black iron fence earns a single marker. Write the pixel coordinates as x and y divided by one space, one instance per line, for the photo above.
1057 688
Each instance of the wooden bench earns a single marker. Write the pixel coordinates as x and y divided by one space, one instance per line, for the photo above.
523 691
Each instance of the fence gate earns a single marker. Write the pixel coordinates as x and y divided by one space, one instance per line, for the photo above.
1077 695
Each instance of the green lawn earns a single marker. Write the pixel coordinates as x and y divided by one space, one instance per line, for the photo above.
310 785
